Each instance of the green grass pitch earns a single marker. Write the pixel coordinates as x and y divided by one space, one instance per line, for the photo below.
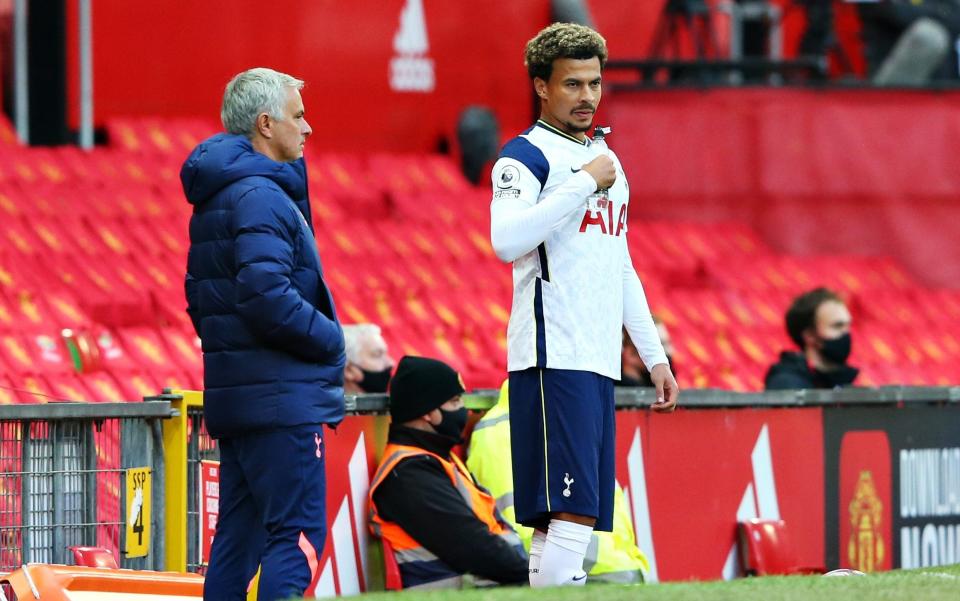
931 584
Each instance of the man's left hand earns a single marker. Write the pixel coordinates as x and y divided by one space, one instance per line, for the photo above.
667 390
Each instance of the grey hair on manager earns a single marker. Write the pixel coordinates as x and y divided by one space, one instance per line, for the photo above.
354 335
252 92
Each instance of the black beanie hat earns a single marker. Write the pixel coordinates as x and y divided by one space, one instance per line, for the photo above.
420 385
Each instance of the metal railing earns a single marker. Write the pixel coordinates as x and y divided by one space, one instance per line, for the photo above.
63 470
200 447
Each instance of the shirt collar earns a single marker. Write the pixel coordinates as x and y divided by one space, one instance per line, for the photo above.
562 134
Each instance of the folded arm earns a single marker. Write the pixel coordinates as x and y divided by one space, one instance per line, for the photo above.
518 222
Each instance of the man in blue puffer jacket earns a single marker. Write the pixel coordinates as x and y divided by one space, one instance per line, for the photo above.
273 350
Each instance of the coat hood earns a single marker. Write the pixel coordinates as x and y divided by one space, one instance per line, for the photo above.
225 158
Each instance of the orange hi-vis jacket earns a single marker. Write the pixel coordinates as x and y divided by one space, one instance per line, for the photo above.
419 568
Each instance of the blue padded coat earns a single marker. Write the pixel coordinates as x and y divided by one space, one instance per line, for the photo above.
273 351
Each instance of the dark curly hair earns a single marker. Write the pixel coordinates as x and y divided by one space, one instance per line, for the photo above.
562 40
803 312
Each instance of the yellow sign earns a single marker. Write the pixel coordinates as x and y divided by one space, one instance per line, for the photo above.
138 512
866 547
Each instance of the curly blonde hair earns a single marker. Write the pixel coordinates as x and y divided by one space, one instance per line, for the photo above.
562 40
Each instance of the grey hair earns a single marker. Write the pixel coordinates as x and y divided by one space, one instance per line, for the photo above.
252 92
353 336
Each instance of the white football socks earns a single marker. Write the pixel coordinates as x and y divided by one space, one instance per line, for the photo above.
561 563
536 551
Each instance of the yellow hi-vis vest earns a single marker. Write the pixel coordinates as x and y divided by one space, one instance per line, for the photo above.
611 556
419 568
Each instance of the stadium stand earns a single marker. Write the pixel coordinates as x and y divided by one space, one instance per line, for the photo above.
95 243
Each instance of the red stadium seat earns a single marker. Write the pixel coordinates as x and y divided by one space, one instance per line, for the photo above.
8 393
68 388
391 569
31 389
98 240
133 386
94 557
104 388
766 549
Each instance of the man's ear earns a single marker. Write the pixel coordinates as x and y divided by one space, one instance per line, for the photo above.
434 417
540 87
352 373
810 339
264 125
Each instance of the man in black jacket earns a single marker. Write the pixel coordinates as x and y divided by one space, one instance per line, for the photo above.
819 323
439 521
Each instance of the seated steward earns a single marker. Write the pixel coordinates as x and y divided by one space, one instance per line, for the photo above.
441 524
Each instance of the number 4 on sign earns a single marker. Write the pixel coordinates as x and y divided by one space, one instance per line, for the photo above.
138 512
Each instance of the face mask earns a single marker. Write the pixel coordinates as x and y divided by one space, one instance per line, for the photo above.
375 381
453 423
837 350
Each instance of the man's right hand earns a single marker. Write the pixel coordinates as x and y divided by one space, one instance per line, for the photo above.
602 170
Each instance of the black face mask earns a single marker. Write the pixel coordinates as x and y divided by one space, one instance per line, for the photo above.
375 381
453 423
837 350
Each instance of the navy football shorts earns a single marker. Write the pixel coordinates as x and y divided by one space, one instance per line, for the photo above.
562 436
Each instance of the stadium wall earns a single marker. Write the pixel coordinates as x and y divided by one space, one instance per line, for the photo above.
391 75
815 172
866 479
470 51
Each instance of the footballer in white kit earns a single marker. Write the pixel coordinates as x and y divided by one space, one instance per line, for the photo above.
559 213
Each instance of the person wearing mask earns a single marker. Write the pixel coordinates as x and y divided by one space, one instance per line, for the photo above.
368 359
424 502
632 370
819 323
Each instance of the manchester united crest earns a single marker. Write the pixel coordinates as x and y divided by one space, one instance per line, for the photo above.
866 547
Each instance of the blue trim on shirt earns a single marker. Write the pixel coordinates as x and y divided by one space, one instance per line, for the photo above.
520 149
541 324
544 268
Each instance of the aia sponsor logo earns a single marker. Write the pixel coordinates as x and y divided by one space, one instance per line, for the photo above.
602 218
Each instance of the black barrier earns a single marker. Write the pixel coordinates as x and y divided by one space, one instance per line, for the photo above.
892 485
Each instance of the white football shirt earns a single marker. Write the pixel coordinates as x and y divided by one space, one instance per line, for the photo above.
574 284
